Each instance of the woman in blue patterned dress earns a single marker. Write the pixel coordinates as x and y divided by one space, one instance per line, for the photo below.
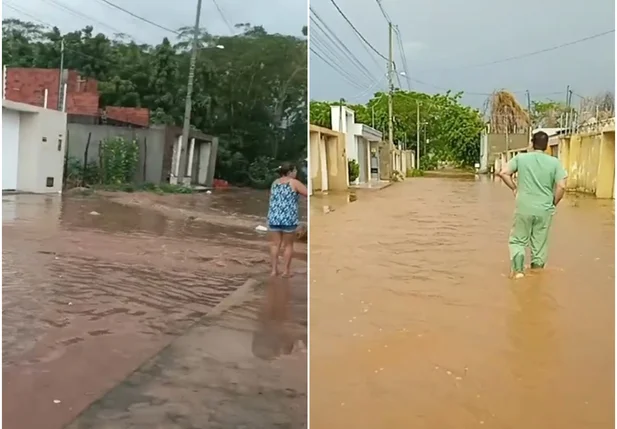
283 216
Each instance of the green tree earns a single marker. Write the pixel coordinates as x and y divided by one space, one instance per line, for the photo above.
452 129
548 113
252 93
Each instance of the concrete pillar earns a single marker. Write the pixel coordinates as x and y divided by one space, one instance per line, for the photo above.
315 167
176 161
564 153
189 170
606 169
574 162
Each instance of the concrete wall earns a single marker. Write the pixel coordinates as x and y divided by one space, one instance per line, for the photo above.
151 147
484 164
589 159
328 160
499 143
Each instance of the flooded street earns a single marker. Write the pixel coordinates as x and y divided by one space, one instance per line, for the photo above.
94 287
414 323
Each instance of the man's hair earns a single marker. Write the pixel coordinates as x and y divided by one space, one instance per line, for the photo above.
540 140
286 168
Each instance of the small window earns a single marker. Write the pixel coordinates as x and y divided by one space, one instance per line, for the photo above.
50 182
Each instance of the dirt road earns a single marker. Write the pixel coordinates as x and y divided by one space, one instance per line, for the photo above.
93 288
414 323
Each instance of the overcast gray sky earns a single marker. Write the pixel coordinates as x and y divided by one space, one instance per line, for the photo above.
444 39
277 16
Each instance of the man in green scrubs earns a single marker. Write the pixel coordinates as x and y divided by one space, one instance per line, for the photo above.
540 186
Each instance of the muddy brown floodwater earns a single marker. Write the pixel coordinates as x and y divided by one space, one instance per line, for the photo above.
414 323
94 286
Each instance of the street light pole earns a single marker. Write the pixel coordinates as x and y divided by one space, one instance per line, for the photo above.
390 89
61 76
418 136
189 102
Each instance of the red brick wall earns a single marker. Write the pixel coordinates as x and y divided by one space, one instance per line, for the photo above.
27 85
131 115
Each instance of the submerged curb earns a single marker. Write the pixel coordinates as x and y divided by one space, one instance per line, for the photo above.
234 298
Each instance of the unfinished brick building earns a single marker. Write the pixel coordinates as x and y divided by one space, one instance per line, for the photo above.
30 85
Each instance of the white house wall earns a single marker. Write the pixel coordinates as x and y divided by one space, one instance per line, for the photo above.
52 125
10 148
42 146
348 129
29 133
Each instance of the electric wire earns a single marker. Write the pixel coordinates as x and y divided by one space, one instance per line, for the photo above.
369 89
401 48
357 32
337 43
321 51
79 14
338 70
25 13
533 53
227 22
141 18
327 51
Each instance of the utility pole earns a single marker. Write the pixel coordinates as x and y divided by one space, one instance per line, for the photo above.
189 94
390 86
418 136
61 76
373 116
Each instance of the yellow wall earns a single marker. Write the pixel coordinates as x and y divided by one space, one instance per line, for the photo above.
589 159
328 160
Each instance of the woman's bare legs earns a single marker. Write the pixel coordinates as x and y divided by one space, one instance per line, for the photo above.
275 245
288 251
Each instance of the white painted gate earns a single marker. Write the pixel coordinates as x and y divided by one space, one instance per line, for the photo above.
10 148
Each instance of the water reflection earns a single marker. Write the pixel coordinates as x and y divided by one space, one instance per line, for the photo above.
534 357
272 337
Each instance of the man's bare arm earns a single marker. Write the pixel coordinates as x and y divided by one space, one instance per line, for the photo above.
506 175
560 191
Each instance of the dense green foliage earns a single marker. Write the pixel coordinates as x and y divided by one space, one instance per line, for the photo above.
252 93
354 169
451 129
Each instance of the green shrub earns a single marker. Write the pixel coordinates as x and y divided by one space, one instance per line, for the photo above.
354 169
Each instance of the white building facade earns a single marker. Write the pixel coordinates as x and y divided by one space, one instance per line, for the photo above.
361 143
33 148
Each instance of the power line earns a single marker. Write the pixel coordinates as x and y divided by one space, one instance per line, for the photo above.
336 42
538 52
327 51
401 48
369 89
82 15
357 32
141 18
383 11
332 64
4 3
231 29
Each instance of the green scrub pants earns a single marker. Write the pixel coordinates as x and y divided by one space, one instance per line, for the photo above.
532 231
